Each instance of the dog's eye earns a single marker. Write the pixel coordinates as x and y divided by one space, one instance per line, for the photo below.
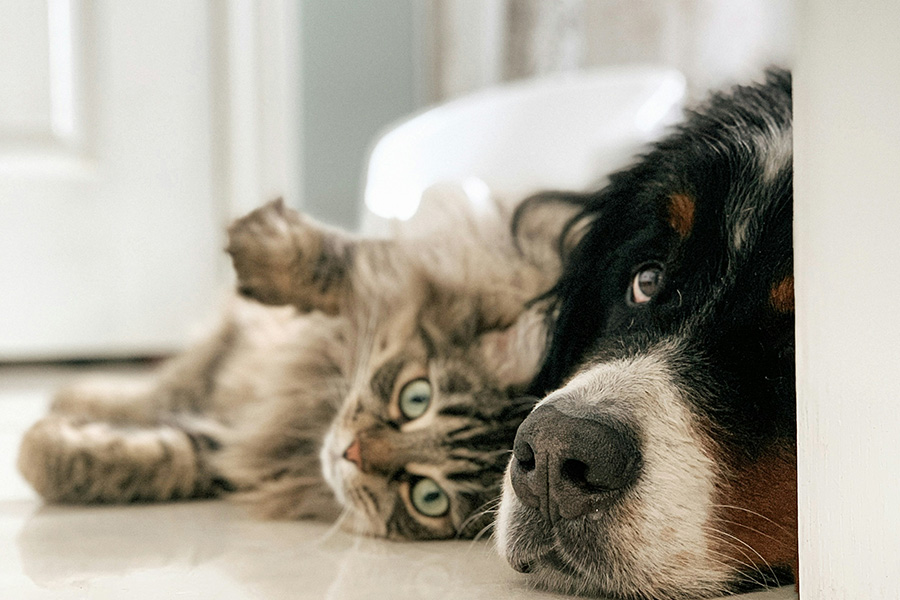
415 398
646 284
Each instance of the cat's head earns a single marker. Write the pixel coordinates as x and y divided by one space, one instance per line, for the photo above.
440 346
419 445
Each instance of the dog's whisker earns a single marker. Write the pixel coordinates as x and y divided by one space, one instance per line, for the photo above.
748 566
719 532
488 507
747 527
752 512
732 562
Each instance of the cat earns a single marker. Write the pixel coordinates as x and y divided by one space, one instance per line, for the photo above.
376 380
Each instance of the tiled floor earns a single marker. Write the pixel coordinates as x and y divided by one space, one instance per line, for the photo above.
212 549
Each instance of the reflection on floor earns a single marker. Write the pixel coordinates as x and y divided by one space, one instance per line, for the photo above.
211 549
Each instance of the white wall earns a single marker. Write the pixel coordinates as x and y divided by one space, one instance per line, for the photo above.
360 72
714 43
847 215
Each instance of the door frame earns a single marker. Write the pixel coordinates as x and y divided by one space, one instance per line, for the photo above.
847 212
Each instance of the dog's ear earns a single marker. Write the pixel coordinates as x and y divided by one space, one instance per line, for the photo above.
513 354
281 257
600 222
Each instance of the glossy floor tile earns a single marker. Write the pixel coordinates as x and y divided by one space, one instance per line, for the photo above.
212 549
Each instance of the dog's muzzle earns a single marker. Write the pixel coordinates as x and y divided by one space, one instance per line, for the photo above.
611 486
567 466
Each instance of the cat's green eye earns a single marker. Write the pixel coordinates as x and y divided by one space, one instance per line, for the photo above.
428 498
415 398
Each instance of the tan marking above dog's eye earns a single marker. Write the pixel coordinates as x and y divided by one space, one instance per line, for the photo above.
681 213
781 296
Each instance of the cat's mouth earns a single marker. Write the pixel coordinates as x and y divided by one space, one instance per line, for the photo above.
358 501
335 468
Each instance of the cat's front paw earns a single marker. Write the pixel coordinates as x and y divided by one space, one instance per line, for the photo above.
266 253
281 258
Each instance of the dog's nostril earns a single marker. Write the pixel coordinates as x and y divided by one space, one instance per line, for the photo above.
524 454
528 486
576 472
603 477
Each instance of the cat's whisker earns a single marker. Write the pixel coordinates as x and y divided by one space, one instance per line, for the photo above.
335 527
489 528
488 507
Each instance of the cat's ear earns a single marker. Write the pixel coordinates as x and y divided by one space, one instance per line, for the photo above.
454 210
282 257
513 355
547 226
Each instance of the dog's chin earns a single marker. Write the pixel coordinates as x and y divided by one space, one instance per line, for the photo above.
533 547
590 557
633 549
552 573
652 538
586 557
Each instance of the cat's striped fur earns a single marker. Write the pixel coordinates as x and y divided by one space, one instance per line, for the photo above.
272 405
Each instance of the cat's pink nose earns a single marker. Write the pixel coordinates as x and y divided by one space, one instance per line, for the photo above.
352 453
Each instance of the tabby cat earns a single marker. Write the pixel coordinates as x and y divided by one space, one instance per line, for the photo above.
381 383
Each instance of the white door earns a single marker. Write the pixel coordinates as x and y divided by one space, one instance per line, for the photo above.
129 134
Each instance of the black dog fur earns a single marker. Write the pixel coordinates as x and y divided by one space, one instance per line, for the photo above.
674 328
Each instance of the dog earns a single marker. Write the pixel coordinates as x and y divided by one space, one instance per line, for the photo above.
661 461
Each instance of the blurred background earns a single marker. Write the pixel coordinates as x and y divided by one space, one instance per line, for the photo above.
131 132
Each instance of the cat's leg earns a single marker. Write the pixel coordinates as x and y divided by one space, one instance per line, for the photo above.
282 257
67 459
128 439
184 383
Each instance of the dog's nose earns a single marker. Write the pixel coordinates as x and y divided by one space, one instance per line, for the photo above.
568 466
